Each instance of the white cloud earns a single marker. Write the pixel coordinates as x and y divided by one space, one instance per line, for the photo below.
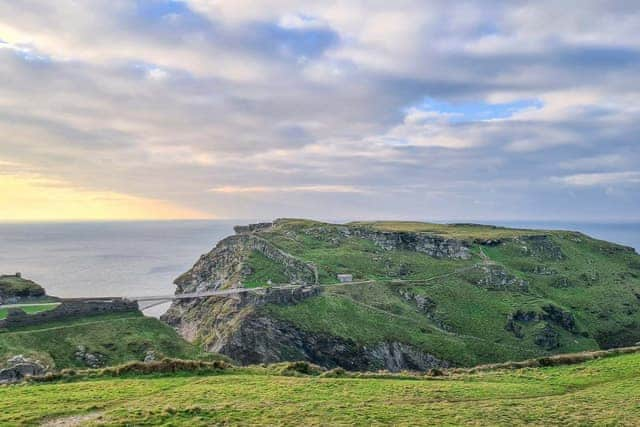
157 74
598 179
303 122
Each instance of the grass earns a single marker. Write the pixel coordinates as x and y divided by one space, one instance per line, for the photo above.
262 270
598 392
596 283
14 286
119 337
30 309
454 231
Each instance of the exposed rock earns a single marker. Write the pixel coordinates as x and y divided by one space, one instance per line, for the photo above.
424 304
435 246
225 265
19 367
261 339
542 247
559 317
548 338
523 317
92 360
562 282
550 313
252 228
150 356
495 277
236 327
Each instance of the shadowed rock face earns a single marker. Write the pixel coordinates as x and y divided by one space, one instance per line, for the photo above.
223 266
437 247
246 334
19 367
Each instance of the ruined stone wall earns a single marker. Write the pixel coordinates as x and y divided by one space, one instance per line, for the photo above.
68 309
252 228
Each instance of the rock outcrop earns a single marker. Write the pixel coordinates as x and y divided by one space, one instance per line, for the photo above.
246 334
19 367
224 266
435 246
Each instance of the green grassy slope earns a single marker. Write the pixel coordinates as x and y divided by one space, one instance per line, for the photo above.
13 286
118 337
579 293
601 392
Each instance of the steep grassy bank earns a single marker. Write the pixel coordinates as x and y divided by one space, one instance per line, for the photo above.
600 392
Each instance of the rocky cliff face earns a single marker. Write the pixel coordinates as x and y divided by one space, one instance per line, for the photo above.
435 246
238 328
225 266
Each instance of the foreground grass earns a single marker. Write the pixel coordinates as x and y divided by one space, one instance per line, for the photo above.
600 392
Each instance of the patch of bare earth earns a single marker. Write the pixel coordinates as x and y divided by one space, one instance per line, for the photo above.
71 421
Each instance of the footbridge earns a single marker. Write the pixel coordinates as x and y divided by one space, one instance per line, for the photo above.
147 302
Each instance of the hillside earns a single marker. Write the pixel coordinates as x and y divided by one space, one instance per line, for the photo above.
100 340
441 295
598 392
14 288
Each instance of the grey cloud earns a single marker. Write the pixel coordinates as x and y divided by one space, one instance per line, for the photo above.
240 102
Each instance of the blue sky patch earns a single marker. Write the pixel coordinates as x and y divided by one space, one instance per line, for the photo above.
478 110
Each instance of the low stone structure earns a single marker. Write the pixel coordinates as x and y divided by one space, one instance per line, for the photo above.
345 278
252 228
69 308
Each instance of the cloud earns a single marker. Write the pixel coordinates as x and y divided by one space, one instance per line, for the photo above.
598 179
373 108
230 189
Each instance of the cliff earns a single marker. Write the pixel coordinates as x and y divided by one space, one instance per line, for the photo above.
440 295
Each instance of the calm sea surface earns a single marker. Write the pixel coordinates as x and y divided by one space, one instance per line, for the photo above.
143 258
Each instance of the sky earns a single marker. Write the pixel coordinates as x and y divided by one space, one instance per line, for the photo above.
425 110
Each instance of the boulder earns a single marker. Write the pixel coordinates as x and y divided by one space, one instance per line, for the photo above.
20 367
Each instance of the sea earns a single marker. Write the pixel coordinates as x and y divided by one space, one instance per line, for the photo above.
141 258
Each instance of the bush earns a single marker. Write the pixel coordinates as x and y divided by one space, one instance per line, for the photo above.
335 373
300 368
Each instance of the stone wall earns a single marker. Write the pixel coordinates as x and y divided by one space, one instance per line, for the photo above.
69 308
252 228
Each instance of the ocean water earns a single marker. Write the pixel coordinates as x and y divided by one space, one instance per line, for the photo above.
89 259
143 258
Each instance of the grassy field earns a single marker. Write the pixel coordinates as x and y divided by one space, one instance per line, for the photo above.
117 337
31 309
600 392
454 231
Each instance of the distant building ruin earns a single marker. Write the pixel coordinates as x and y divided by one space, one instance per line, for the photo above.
345 278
